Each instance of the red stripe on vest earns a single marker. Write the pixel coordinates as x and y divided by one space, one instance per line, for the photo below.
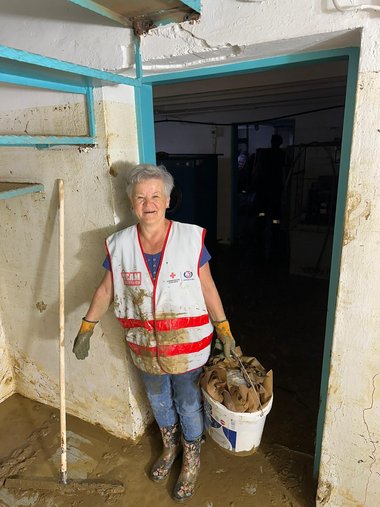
131 323
166 324
172 350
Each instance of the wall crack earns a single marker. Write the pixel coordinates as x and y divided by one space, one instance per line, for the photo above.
235 49
372 454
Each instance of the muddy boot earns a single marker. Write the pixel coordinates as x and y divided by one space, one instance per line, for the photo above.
191 463
172 448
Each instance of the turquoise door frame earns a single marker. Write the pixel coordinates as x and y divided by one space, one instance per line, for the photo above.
144 100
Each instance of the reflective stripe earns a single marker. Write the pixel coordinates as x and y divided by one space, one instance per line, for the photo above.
166 324
131 323
171 350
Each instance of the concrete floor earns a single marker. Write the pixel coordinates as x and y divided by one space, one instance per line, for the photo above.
276 317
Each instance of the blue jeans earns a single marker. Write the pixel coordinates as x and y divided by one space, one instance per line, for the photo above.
174 397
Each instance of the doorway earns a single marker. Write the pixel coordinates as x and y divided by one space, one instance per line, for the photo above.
258 297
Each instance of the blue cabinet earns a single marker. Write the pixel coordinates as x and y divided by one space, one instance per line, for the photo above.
194 197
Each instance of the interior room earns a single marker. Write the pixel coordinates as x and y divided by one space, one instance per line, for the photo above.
275 290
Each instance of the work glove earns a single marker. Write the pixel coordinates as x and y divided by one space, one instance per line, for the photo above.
224 335
82 341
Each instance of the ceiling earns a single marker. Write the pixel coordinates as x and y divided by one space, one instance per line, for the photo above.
297 88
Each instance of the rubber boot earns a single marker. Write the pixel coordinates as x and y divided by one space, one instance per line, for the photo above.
191 463
171 449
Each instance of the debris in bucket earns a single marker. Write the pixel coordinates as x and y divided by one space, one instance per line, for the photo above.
240 383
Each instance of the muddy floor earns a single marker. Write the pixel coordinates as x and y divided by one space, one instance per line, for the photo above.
277 317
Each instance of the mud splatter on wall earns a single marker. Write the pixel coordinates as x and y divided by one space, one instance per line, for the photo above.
104 389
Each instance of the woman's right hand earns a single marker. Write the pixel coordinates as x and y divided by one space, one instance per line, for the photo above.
82 341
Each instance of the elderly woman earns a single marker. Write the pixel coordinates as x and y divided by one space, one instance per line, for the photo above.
159 279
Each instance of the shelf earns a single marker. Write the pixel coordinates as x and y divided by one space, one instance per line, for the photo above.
151 12
21 68
9 189
31 69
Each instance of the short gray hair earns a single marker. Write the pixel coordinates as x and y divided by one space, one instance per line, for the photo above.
144 172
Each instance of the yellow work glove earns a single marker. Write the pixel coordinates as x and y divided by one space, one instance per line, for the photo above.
82 341
223 333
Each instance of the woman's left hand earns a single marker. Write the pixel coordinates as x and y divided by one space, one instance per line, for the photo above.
224 334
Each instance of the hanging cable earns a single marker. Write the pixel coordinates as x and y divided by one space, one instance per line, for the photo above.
362 7
173 120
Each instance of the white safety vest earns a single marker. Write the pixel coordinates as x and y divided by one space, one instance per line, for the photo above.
166 321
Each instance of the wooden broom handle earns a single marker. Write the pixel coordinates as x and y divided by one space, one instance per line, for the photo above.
62 382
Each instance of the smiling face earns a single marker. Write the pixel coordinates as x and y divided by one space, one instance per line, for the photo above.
149 201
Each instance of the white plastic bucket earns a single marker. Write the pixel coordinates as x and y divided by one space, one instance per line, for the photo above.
238 432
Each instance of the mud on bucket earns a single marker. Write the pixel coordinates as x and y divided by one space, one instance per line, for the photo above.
237 432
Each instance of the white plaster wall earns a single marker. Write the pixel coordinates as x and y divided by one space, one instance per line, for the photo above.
350 469
235 30
104 388
231 31
185 138
41 112
59 29
14 97
7 380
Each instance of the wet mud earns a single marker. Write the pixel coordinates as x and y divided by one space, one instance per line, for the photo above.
270 477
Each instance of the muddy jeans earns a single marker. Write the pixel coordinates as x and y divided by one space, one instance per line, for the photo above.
176 396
